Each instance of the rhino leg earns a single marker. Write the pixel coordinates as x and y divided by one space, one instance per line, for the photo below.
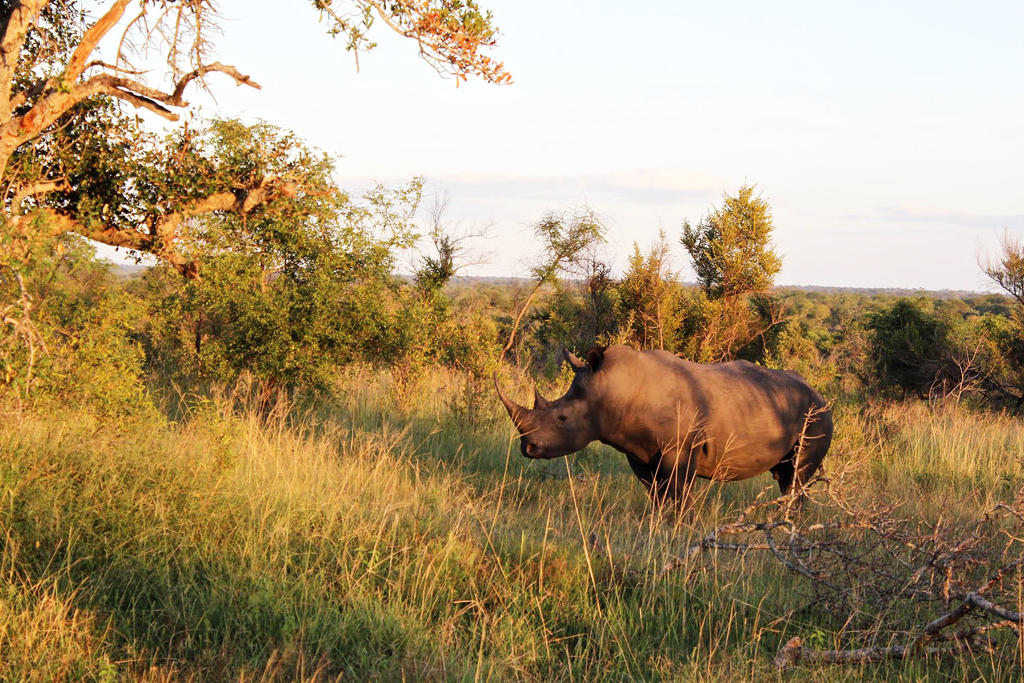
784 471
658 487
644 472
811 450
673 478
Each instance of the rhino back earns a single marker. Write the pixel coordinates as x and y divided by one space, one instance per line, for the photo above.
737 418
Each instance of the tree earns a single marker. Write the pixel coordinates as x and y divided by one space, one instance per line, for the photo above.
286 296
57 91
566 238
647 296
908 346
1007 269
731 247
451 252
599 304
735 264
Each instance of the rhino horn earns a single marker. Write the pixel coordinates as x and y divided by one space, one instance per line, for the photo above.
575 362
538 400
517 412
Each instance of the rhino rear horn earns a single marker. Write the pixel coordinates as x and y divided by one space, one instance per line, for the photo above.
572 360
539 401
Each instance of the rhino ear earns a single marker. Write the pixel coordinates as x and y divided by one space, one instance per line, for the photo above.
595 358
572 360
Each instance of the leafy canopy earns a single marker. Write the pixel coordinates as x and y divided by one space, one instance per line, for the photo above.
72 161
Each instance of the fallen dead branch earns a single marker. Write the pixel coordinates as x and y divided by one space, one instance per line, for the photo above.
968 640
885 573
793 653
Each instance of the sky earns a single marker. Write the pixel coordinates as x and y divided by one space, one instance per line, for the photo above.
887 137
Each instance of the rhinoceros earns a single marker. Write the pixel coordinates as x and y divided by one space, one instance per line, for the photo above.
676 420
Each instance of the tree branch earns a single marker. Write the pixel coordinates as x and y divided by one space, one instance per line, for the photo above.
91 39
240 202
793 651
160 236
15 29
33 189
140 102
56 101
142 95
240 79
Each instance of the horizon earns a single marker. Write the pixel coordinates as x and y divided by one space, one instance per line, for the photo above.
523 279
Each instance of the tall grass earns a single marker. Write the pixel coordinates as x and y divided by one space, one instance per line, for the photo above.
365 538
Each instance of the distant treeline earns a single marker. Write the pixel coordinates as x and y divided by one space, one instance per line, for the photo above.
284 296
118 337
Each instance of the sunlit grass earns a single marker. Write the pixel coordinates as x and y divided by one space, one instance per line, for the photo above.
372 537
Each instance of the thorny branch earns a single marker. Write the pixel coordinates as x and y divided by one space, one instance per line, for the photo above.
869 562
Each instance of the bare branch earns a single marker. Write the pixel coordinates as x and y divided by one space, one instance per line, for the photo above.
173 98
140 102
793 653
882 563
57 101
240 79
91 39
98 63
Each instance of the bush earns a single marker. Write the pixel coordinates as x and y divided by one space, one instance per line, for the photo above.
76 342
908 346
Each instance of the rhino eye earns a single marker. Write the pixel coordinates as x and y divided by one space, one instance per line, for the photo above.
562 418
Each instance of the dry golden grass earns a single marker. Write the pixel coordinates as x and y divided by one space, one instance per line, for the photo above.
364 538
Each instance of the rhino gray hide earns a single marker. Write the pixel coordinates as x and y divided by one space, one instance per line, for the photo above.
676 420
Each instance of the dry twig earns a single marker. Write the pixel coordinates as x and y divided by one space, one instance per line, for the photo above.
869 561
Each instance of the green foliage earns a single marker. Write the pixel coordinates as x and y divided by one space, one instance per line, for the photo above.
75 341
908 345
575 314
947 349
600 304
648 297
50 40
565 239
288 295
1007 270
731 247
436 271
731 253
72 161
568 239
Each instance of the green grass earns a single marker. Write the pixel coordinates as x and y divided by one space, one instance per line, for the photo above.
364 539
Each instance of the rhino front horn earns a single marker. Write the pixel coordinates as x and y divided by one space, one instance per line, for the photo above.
515 411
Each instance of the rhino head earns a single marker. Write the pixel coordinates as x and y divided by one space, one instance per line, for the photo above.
552 429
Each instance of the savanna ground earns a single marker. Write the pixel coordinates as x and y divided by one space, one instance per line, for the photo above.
370 537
